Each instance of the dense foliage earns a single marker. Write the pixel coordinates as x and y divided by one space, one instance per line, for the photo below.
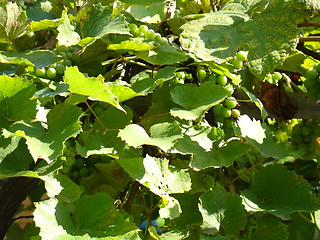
160 119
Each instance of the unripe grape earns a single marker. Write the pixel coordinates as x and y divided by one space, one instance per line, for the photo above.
51 72
230 102
62 48
277 76
79 163
222 80
143 29
181 75
60 68
67 63
217 109
133 29
63 55
317 67
235 113
241 56
226 112
84 172
201 74
311 74
69 55
149 34
40 72
237 63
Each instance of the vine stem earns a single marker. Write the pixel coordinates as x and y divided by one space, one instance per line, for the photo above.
95 115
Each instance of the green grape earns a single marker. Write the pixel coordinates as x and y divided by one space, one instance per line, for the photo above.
157 36
149 35
62 48
311 74
222 80
133 29
60 68
69 55
226 112
51 72
230 102
237 63
201 74
41 72
305 131
143 29
79 163
181 75
317 67
84 172
63 55
217 109
235 113
241 56
277 76
75 174
67 63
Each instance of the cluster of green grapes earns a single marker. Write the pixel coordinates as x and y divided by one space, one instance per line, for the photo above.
181 76
312 82
304 135
148 34
273 78
280 129
226 111
239 59
67 57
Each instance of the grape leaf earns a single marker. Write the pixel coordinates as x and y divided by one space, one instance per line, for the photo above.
261 138
216 157
163 135
151 13
54 219
66 36
161 178
15 100
92 87
97 21
195 101
270 228
165 54
221 210
218 36
280 192
13 22
38 58
63 123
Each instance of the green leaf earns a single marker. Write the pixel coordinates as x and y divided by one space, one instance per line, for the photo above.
17 162
55 221
91 87
163 135
66 36
269 228
165 54
195 101
123 93
38 58
216 157
13 22
16 101
221 210
130 45
70 191
280 192
151 13
97 21
270 34
63 123
261 138
161 178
